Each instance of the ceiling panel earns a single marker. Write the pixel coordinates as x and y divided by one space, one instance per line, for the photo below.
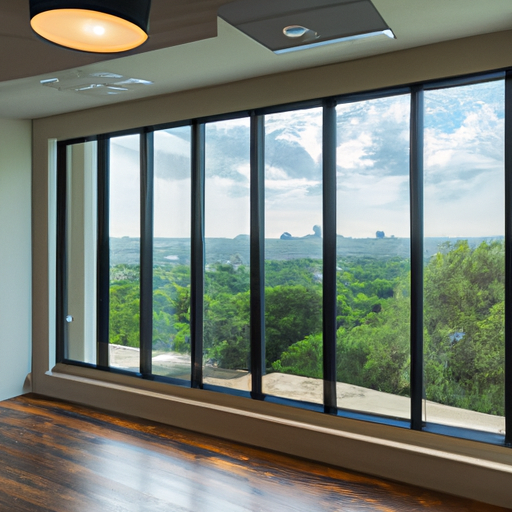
185 52
23 54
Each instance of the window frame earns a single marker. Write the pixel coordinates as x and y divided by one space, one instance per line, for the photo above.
257 253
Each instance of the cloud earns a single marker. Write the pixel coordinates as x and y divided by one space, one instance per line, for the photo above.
464 161
373 136
125 187
463 185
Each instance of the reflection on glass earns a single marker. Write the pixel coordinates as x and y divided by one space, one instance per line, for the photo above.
464 256
81 252
373 307
293 255
227 224
171 253
124 230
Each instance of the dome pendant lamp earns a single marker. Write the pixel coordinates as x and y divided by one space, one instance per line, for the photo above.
98 26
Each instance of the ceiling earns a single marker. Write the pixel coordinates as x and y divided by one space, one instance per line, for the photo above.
190 47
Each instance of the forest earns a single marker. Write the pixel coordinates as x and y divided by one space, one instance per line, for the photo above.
463 319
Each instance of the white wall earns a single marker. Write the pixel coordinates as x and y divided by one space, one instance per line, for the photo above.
15 256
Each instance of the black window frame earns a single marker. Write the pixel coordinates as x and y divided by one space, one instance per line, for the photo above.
257 241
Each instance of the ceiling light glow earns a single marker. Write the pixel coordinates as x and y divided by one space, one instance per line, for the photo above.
105 26
98 30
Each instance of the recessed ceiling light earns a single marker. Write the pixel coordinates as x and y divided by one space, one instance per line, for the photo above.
307 23
294 31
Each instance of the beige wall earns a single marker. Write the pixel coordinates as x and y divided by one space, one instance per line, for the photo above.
15 259
461 467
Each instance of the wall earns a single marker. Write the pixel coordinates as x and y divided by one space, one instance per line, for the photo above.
15 256
465 468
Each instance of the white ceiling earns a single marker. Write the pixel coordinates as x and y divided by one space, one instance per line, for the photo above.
233 56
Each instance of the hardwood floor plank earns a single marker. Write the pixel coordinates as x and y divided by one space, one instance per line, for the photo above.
61 457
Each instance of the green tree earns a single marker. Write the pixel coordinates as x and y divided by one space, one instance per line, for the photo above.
376 354
226 330
302 358
291 313
464 290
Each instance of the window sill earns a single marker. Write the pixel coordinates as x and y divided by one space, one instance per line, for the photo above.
457 466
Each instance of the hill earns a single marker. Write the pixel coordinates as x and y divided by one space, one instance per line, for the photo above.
177 250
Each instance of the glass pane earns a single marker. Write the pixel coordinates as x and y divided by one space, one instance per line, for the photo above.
171 253
81 252
464 256
227 225
124 252
373 307
293 255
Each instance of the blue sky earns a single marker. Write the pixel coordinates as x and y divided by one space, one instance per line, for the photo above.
463 183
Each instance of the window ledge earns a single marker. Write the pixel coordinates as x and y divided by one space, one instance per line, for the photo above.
420 458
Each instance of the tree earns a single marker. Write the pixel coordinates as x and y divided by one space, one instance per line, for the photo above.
226 330
464 293
291 313
376 354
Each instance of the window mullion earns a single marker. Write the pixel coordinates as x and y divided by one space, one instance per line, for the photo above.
103 260
197 254
508 258
257 251
329 255
61 254
146 253
416 205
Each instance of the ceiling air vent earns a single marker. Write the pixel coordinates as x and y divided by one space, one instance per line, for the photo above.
285 26
95 84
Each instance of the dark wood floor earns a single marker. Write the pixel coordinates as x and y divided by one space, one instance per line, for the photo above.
56 456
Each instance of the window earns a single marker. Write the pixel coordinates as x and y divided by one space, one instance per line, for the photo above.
80 184
465 256
373 256
227 355
344 255
124 231
293 255
170 347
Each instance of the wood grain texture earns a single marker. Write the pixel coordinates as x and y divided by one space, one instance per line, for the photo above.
60 457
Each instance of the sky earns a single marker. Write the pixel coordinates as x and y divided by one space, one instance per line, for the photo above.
463 176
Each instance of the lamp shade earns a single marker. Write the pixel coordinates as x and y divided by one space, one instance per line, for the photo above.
99 26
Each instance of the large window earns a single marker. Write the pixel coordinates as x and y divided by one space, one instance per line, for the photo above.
171 254
465 257
226 359
344 255
79 299
124 230
373 255
293 255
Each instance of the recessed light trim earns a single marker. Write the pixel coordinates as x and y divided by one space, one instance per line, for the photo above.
295 31
316 44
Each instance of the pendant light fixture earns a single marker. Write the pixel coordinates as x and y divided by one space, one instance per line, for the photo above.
99 26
